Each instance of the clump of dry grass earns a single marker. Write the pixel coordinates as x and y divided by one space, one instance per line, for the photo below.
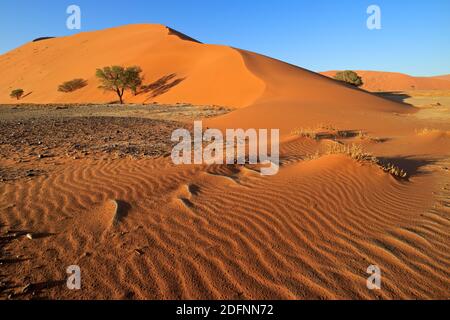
354 151
378 139
425 131
312 156
327 127
306 133
328 132
393 170
361 135
321 131
357 153
342 134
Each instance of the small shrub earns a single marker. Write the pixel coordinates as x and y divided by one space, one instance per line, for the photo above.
349 77
17 93
72 85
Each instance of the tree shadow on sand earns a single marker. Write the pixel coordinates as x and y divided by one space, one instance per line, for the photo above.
11 235
15 234
41 286
37 290
161 86
26 95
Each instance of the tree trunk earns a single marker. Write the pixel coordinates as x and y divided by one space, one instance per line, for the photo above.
120 94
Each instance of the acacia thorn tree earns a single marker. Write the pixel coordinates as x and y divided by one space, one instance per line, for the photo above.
119 79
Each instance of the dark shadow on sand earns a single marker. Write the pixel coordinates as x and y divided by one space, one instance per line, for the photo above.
396 96
161 86
413 165
123 208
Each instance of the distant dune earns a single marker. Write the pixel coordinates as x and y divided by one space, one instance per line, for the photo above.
444 77
392 81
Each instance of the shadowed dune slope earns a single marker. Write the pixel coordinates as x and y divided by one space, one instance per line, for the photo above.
176 68
295 96
393 81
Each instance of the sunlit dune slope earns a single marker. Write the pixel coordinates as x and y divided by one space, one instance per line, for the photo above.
298 97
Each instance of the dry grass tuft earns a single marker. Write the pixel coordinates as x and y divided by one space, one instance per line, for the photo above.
361 135
354 151
329 132
393 170
321 131
357 153
426 131
306 133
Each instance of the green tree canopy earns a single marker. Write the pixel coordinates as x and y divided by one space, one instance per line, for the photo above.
17 93
120 79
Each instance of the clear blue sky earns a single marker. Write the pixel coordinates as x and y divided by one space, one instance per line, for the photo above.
315 34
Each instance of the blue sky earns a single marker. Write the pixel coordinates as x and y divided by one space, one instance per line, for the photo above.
315 34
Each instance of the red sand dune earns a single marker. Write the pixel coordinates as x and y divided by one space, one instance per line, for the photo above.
393 81
189 71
